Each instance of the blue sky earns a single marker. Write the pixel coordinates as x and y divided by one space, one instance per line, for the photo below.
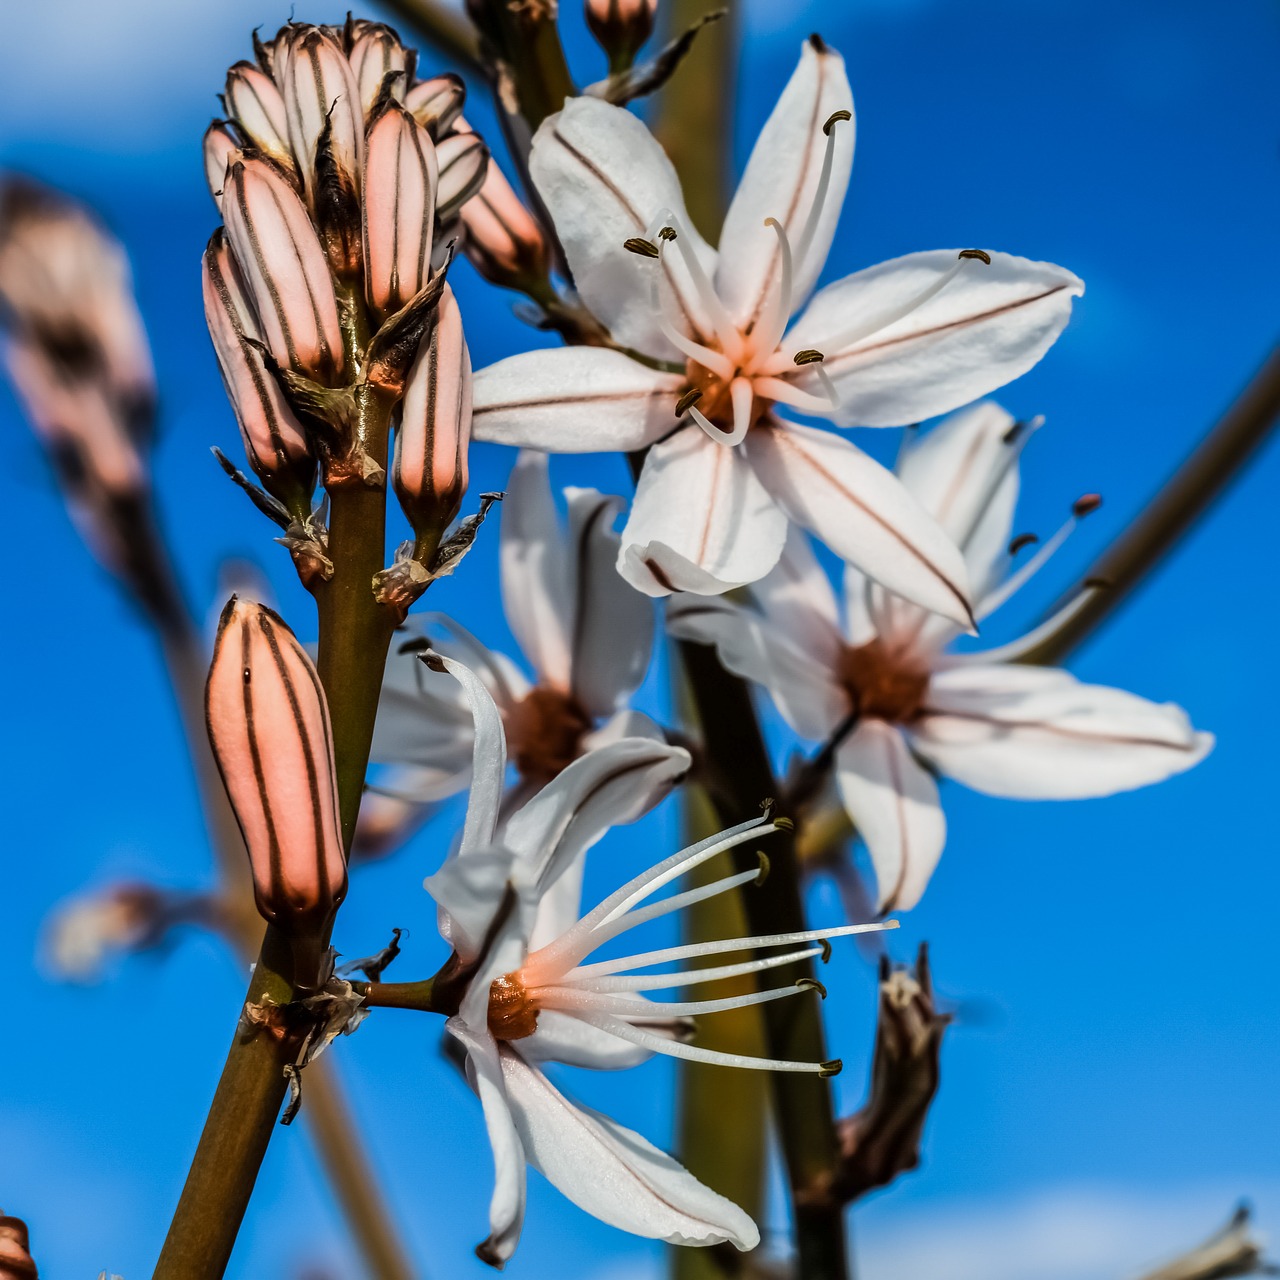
1112 1085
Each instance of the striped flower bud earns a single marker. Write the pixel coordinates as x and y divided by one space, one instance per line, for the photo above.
285 269
252 98
463 160
274 441
430 469
400 178
269 727
436 103
220 144
503 242
621 27
376 53
16 1262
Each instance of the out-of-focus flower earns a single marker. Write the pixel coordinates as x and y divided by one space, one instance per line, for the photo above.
524 991
585 632
16 1262
895 706
896 343
86 932
269 729
621 27
1235 1250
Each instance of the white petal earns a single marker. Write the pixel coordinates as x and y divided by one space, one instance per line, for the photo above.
536 595
780 182
506 1208
612 621
755 648
859 620
488 761
862 512
573 400
700 521
893 802
612 1172
604 179
987 326
561 1037
468 892
626 724
797 596
1036 734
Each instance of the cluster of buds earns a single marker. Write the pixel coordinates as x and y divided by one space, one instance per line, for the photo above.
341 179
78 357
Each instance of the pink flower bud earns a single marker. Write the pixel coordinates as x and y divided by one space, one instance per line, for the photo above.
400 179
274 441
437 103
430 469
253 100
504 242
285 269
269 727
463 160
16 1262
220 145
376 52
621 26
319 88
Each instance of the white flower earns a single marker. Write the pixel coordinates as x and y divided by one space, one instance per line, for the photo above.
899 342
587 635
888 696
527 993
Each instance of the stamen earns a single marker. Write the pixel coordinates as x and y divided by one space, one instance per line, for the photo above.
668 322
1037 636
687 401
773 322
979 255
645 248
726 330
789 393
587 1001
808 356
692 977
1021 541
742 398
805 243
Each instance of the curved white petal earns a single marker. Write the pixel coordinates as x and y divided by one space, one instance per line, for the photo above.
893 802
863 513
625 724
799 681
1040 734
797 596
506 1207
604 179
700 521
781 180
984 328
561 1037
573 400
612 1172
468 893
536 575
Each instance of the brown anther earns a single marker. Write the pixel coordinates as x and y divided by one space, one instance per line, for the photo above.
645 248
981 255
811 984
833 117
1022 540
825 944
763 874
544 732
882 683
1011 436
1085 504
687 401
667 233
808 356
831 1068
1099 584
512 1013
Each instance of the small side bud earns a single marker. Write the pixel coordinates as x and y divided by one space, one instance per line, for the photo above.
269 729
285 269
220 145
16 1262
258 109
437 103
504 242
400 178
376 53
621 27
430 468
464 162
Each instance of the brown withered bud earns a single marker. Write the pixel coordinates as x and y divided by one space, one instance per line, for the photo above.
621 27
16 1262
503 240
1234 1250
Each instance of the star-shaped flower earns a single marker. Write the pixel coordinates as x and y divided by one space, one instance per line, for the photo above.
911 338
895 706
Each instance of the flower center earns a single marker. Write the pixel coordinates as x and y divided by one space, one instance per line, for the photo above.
544 732
512 1013
883 683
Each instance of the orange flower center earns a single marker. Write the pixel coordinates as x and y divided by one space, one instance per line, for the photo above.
883 683
544 732
512 1013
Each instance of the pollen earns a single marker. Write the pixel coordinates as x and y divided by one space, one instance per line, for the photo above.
513 1014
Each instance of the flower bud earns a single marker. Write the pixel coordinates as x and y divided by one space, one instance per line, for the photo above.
463 160
285 269
400 178
253 100
16 1262
621 27
85 933
436 103
274 441
430 469
376 52
269 728
503 242
220 144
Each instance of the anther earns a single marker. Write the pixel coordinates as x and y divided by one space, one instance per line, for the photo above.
808 356
1099 584
1011 436
639 245
1022 540
811 984
825 944
1085 504
833 117
434 661
763 874
833 1067
784 824
980 254
667 233
687 401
